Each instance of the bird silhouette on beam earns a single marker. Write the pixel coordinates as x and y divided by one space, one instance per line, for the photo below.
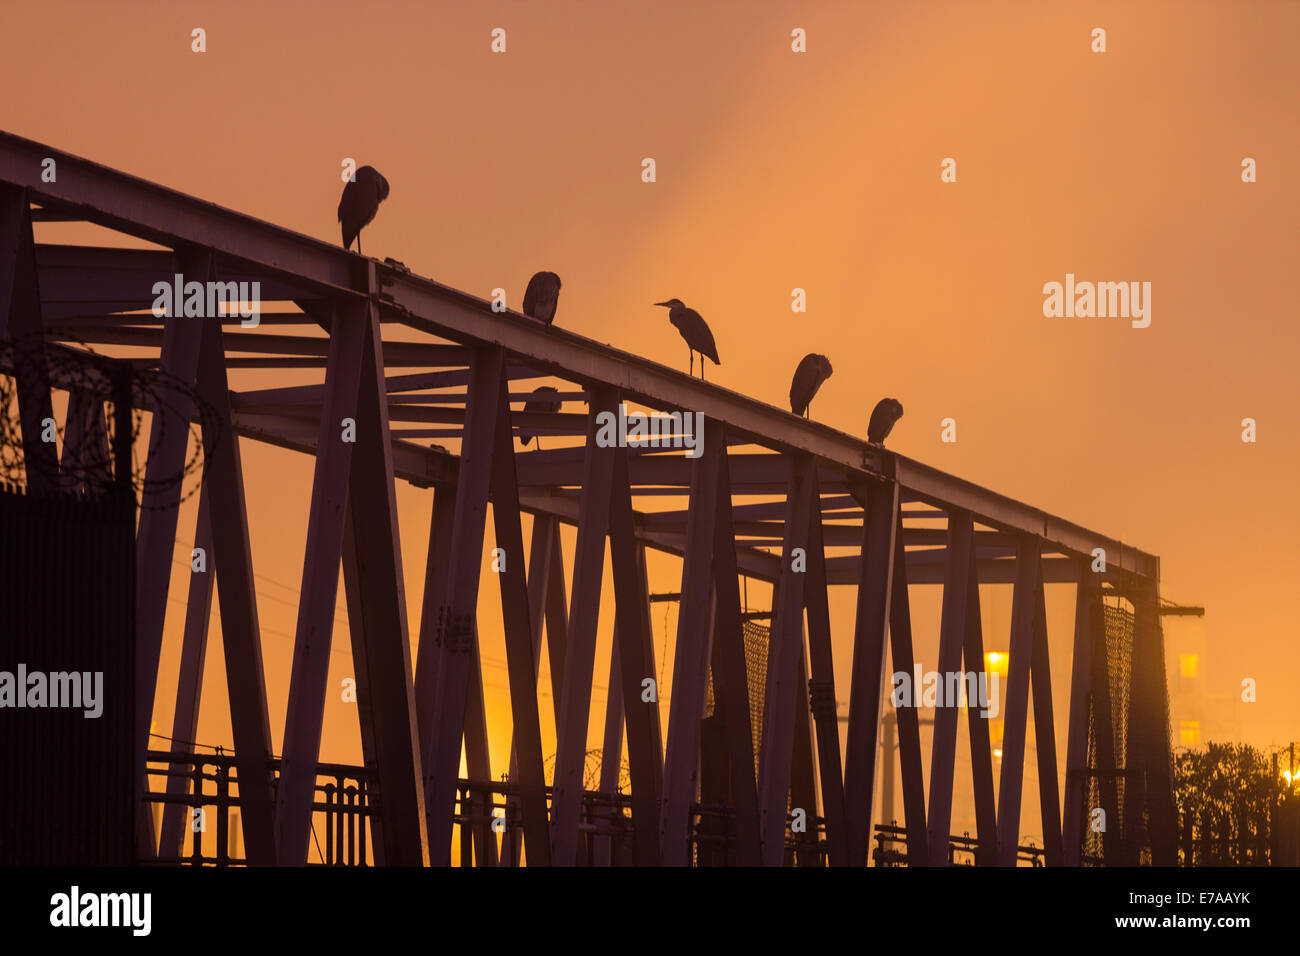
542 296
808 377
694 330
362 195
883 418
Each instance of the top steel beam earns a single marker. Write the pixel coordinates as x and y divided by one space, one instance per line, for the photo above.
170 218
165 216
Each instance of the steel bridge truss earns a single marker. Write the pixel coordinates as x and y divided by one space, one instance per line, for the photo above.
765 480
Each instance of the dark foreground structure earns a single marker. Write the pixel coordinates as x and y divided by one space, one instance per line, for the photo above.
408 360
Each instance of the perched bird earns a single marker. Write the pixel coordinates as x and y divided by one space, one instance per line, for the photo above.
545 399
362 195
808 377
694 330
542 296
886 414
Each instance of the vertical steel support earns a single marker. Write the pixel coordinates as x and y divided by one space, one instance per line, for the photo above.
426 670
435 588
159 504
458 614
635 656
909 725
381 646
693 650
20 321
881 564
189 684
1040 673
520 629
1024 609
1087 610
580 645
1149 722
803 775
557 623
241 637
952 631
783 690
545 530
611 754
349 330
541 546
977 725
731 678
822 687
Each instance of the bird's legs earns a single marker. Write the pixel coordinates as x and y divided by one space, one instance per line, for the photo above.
692 351
358 243
701 366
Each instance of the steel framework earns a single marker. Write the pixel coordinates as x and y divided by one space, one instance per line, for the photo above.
766 479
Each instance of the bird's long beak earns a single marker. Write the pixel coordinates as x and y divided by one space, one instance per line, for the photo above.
662 303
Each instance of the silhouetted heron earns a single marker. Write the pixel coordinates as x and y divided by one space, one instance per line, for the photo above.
694 330
545 399
542 296
362 195
808 377
886 414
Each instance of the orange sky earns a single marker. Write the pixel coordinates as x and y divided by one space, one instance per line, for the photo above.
778 170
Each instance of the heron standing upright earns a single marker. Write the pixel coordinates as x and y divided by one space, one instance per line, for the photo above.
694 330
883 418
542 296
808 377
362 195
545 399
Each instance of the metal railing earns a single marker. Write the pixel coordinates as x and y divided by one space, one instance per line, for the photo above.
204 788
891 849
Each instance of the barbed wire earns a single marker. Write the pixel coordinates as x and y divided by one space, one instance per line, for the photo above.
92 381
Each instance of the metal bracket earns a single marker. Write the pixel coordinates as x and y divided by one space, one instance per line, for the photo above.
821 698
455 631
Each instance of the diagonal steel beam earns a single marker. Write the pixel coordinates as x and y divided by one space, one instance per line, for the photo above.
822 688
381 647
909 730
879 567
731 679
159 504
977 726
1024 609
435 587
611 756
517 623
189 684
784 688
545 529
1087 609
954 621
458 615
580 643
635 657
803 775
241 637
1040 673
692 653
320 579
